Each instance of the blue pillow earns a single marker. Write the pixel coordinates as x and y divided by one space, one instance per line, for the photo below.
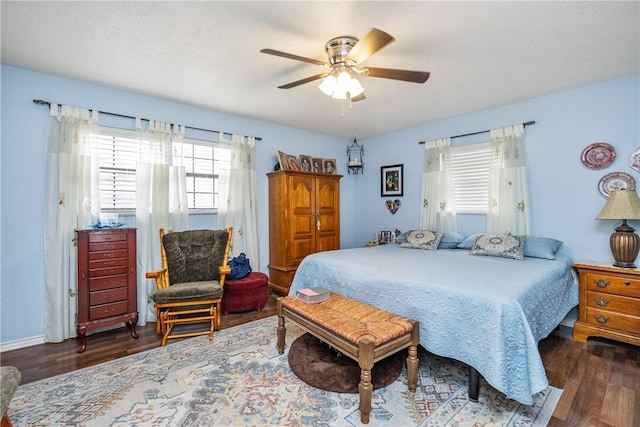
402 237
541 247
469 241
450 240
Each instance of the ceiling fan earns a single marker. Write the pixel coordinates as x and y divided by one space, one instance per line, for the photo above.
345 54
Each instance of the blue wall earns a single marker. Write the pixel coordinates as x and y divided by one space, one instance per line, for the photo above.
23 154
564 197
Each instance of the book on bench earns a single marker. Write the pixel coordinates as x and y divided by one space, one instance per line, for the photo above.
313 295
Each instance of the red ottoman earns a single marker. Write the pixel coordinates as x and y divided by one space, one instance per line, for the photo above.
248 293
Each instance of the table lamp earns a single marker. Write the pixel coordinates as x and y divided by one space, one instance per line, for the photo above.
625 244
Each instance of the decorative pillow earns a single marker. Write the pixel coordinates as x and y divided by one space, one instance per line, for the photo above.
450 240
541 247
422 239
499 245
469 242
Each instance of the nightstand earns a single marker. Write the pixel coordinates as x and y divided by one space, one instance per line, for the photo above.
609 303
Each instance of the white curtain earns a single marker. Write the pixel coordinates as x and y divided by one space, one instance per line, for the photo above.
438 211
508 209
161 202
237 198
72 201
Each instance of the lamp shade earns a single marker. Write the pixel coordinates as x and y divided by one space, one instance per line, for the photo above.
622 204
625 244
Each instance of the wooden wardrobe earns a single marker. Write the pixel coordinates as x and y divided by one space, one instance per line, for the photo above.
304 218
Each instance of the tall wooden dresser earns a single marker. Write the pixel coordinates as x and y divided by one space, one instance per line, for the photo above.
107 291
304 218
609 303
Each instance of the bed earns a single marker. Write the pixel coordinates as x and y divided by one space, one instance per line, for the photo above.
485 311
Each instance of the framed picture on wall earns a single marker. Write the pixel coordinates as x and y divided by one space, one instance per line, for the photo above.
391 180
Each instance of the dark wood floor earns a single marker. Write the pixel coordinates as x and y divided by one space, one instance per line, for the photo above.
600 381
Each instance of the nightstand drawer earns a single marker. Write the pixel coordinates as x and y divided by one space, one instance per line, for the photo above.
610 302
613 284
612 320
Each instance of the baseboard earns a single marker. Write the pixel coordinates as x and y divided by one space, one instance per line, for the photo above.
21 343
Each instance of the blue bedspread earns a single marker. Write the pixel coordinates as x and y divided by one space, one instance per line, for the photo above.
487 312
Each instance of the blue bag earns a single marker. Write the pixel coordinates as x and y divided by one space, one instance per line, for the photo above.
240 267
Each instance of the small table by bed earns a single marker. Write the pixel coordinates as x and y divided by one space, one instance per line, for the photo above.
364 333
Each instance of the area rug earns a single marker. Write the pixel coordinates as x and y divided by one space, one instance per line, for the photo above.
240 380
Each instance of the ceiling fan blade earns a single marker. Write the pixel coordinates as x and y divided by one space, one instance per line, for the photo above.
358 98
390 73
294 57
369 44
303 81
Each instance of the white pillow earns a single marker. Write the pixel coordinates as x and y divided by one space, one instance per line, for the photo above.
422 239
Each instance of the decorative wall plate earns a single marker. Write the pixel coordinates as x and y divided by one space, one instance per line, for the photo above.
598 155
615 181
634 160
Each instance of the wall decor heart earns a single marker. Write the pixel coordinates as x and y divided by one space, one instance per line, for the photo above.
393 205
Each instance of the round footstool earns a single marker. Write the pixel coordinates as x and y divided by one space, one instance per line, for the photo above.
246 294
318 365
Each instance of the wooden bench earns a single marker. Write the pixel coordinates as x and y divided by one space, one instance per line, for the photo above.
364 333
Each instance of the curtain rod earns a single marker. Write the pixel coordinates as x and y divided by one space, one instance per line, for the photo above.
531 122
41 102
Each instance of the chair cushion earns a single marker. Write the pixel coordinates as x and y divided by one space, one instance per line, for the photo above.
190 291
195 255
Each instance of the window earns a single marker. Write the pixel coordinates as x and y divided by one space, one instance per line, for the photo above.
203 163
119 152
470 175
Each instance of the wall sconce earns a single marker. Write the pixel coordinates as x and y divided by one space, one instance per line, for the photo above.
355 152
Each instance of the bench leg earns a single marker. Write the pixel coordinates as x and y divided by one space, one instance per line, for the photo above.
365 360
281 334
412 358
412 368
281 329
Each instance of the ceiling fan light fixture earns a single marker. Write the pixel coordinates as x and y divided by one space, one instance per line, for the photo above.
339 93
355 88
342 87
328 85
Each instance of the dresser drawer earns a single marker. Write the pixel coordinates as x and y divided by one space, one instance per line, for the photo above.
107 246
111 236
102 255
611 302
107 310
109 282
109 271
613 284
612 320
107 296
107 263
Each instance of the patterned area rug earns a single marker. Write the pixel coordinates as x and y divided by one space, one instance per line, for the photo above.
240 379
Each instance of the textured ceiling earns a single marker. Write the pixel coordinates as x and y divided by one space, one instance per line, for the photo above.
480 54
